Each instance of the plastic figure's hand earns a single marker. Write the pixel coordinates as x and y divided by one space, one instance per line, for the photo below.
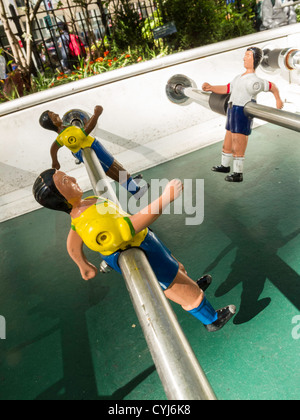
207 87
56 165
173 190
92 122
98 110
279 104
88 271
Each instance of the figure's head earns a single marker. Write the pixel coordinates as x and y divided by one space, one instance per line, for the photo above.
62 27
253 57
50 121
56 191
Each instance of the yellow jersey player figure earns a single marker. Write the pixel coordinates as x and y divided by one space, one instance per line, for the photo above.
106 229
76 139
243 89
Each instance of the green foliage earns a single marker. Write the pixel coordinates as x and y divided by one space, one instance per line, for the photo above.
152 22
128 27
196 22
236 22
42 81
297 8
111 60
202 22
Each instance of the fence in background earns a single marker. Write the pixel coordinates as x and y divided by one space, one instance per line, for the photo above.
92 24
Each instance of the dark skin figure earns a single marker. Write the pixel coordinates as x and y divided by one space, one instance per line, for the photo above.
116 167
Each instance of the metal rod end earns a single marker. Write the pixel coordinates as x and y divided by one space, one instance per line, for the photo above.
175 89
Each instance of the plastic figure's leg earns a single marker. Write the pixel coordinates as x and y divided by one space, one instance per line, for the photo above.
187 293
205 312
226 155
127 181
78 156
211 319
240 142
131 185
113 169
238 165
203 283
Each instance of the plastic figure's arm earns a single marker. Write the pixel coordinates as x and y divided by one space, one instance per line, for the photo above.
221 90
53 151
275 91
148 215
75 249
91 124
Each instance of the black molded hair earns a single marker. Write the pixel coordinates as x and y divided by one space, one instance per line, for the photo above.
257 56
62 26
46 122
47 195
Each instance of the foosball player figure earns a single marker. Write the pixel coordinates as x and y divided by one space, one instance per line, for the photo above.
105 228
243 89
76 139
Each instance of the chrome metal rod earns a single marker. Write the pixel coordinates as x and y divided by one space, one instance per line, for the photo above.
280 58
175 361
197 95
177 366
272 115
98 178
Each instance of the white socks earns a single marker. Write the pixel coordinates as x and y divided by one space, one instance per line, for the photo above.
238 162
226 159
238 165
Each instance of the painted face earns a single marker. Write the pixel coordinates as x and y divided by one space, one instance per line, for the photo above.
67 186
55 118
249 60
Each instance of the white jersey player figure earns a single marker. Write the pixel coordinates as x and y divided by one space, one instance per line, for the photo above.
243 89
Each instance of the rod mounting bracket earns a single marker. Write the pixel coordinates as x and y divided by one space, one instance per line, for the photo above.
175 92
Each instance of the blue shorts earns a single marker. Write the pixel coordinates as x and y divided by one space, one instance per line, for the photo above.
237 121
105 158
165 267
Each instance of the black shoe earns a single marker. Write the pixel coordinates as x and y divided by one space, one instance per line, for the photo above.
224 315
204 282
235 177
221 168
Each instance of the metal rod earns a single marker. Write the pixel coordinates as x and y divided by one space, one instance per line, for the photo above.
175 361
197 95
275 116
177 366
181 90
98 178
280 58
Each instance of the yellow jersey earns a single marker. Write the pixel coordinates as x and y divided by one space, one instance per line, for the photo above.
106 228
74 138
